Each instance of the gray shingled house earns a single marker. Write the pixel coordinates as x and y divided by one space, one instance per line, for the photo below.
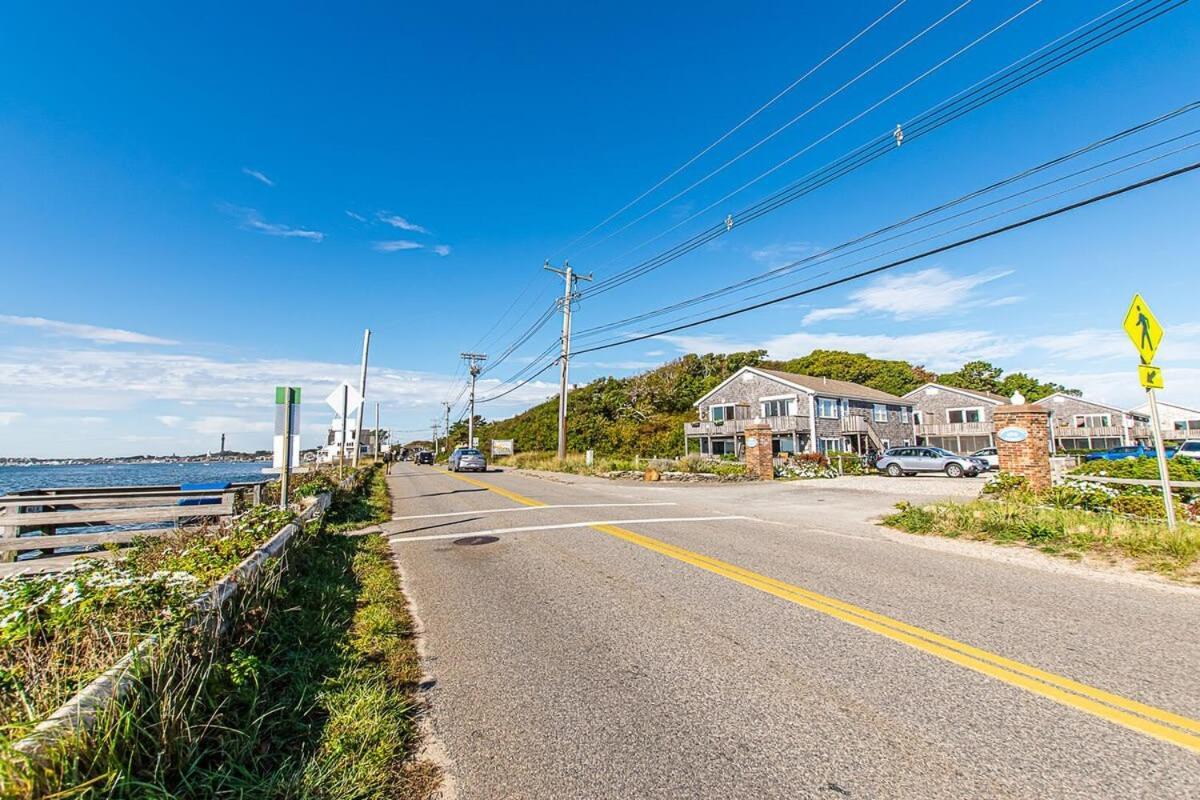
806 414
954 419
1080 424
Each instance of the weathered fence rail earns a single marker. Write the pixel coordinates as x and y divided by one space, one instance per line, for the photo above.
209 614
29 520
1151 482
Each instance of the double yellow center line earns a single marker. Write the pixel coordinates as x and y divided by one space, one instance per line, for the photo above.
1149 720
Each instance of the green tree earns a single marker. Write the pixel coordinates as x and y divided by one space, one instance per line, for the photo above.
977 375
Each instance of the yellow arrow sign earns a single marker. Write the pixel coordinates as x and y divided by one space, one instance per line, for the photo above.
1151 376
1143 329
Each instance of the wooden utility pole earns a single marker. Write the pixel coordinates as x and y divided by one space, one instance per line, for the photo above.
474 360
362 394
569 296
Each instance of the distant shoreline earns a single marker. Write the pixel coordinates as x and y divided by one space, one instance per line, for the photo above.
220 458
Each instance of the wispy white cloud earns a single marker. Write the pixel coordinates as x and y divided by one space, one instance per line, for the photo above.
358 217
258 176
653 353
76 330
250 220
920 294
441 249
169 420
781 253
397 221
396 245
9 417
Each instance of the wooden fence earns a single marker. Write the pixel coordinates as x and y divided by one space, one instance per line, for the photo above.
30 520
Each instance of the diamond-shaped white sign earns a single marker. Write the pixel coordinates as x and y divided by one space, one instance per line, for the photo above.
334 400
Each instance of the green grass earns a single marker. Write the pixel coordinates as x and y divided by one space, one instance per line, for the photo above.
1072 533
576 464
310 695
369 503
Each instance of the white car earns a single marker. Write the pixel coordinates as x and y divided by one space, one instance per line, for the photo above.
1189 450
989 454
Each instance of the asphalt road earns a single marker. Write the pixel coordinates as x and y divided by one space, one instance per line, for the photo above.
766 640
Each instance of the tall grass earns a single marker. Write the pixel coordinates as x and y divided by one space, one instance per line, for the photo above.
1148 544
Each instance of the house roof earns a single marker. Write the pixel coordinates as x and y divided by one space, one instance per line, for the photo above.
1045 400
1144 408
814 385
990 397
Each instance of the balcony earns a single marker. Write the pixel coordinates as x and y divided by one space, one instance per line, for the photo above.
955 429
1101 432
736 427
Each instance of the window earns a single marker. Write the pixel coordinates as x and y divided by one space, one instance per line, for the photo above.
879 413
1093 420
956 416
827 445
723 447
721 413
904 414
782 444
777 408
1188 425
886 444
827 408
916 416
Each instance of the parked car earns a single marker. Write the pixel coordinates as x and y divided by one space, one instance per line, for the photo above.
1126 451
424 457
911 460
1188 450
467 458
989 454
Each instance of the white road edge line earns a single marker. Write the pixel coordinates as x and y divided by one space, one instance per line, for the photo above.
526 508
396 538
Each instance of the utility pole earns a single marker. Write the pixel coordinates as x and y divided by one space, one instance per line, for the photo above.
569 296
362 394
474 360
436 450
446 426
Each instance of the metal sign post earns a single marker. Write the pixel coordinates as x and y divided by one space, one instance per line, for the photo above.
1146 333
287 422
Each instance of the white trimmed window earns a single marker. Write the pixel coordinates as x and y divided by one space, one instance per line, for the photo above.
956 416
777 408
721 413
827 408
879 413
905 417
1093 420
916 415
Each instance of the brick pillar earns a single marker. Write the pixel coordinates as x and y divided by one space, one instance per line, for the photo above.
758 455
1031 456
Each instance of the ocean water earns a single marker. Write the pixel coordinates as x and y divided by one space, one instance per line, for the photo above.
43 476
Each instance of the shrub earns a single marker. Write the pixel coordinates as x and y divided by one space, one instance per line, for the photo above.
850 463
1076 494
1179 469
913 519
1004 484
1148 506
805 469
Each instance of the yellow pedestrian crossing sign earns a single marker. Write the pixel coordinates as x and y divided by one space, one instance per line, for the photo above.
1143 329
1151 376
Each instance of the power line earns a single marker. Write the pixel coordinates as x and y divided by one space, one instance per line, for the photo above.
791 122
982 92
909 259
829 253
727 133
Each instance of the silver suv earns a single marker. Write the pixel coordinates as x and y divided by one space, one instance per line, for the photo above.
467 458
1189 450
911 460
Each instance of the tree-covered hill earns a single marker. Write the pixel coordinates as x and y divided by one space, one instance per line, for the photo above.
644 414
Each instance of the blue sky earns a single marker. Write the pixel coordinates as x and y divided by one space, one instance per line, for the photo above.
196 206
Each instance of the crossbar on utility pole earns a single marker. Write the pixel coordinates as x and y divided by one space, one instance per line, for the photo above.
473 360
570 278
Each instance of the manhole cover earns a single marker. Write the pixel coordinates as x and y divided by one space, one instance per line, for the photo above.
474 540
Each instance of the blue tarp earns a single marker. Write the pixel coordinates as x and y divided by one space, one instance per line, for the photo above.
202 487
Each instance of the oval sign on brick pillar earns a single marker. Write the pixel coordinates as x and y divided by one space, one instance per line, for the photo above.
1012 434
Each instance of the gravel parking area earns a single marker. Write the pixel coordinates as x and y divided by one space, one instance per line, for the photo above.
917 485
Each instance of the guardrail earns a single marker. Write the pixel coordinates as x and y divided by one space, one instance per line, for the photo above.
208 614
